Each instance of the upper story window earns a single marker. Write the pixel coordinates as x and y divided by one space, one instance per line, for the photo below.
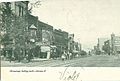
33 33
33 30
19 10
22 9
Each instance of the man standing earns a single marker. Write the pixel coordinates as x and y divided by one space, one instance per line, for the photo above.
10 55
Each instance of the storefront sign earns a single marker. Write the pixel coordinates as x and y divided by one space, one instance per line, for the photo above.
45 48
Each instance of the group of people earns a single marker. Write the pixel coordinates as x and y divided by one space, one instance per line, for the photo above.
66 55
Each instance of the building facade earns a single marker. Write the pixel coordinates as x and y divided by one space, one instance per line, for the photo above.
26 32
32 28
107 47
60 40
77 46
101 43
45 38
19 8
115 44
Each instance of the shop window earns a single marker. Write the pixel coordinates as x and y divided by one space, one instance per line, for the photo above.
33 33
19 10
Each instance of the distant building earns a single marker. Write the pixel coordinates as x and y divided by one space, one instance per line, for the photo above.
96 50
107 47
101 43
95 47
115 44
77 46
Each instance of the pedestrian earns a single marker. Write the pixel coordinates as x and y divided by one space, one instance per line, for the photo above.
20 53
10 55
4 52
16 53
63 56
30 55
67 55
70 56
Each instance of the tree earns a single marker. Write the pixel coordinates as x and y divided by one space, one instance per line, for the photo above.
6 23
15 27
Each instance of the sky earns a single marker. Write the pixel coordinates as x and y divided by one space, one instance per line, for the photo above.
87 19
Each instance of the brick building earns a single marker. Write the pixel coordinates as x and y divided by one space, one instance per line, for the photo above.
60 41
44 39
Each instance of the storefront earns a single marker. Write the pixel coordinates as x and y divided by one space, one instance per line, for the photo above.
45 51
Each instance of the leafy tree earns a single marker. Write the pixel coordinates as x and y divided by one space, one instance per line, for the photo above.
15 27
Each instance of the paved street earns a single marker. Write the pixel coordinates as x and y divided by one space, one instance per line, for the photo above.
90 61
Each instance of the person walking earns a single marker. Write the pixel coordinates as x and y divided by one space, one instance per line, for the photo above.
30 55
63 56
70 56
20 54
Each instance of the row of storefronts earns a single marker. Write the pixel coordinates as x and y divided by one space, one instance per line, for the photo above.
28 32
53 42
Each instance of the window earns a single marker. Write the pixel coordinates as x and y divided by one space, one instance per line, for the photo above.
33 33
19 10
22 11
13 7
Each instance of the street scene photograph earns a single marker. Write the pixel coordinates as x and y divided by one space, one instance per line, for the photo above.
60 33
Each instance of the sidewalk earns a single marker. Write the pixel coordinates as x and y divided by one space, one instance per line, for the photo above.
37 62
7 63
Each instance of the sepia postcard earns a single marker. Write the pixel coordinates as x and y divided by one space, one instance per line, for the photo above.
60 40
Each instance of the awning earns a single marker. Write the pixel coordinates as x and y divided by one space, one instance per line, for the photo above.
38 43
53 46
33 26
75 51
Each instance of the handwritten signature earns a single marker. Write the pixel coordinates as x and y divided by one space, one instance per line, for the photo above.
67 76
